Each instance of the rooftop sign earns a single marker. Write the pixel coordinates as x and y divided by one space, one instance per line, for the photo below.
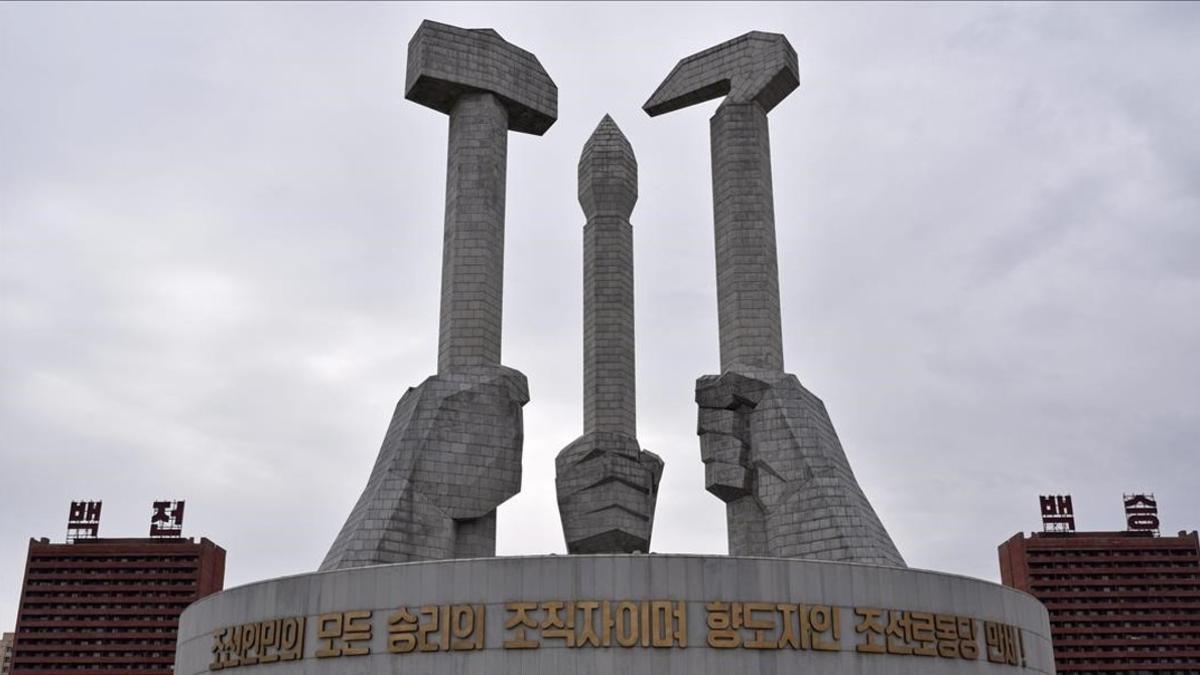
167 520
1141 513
83 521
1058 514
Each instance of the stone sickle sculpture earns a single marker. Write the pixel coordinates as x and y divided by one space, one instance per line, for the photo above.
769 449
607 485
453 451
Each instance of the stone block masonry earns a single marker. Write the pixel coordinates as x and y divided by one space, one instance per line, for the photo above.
452 453
607 485
619 615
772 455
473 249
768 446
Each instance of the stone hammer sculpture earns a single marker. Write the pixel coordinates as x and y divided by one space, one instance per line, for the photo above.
452 453
769 449
607 485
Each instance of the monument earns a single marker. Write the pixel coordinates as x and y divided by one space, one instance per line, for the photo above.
769 449
607 485
452 453
813 584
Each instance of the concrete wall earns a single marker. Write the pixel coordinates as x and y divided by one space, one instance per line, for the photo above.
694 581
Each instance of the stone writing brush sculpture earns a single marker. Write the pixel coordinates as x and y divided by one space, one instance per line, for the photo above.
607 485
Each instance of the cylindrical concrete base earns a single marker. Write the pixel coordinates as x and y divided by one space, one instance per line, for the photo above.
628 614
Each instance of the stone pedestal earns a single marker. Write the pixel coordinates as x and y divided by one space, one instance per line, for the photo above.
610 614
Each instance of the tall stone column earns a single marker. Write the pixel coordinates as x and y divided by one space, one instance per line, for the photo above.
607 485
473 249
744 218
769 449
452 453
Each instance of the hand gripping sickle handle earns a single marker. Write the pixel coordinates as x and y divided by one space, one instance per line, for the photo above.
769 449
754 73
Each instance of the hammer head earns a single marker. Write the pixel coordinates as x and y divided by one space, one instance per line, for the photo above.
445 62
759 67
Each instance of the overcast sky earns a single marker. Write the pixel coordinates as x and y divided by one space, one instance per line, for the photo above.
220 242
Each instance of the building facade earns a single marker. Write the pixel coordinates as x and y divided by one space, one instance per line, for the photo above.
6 643
110 605
1119 602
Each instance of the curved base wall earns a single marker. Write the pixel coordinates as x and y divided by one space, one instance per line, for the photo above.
628 614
